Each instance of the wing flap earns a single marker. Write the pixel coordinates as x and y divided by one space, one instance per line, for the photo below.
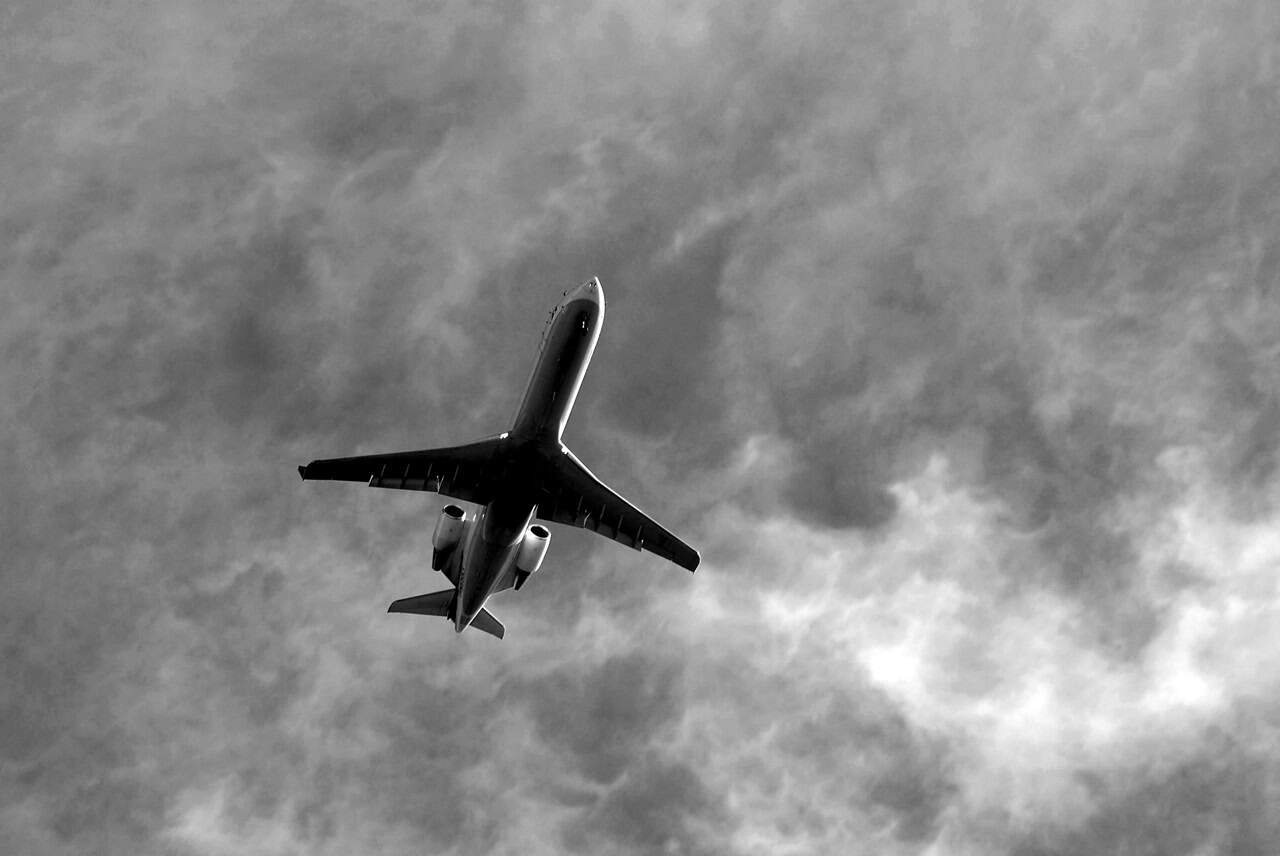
464 472
572 495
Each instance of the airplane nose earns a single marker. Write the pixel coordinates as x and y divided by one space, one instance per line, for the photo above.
589 290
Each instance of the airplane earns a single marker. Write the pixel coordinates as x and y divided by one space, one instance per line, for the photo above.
520 475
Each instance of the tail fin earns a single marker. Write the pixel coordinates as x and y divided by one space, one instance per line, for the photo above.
485 621
436 603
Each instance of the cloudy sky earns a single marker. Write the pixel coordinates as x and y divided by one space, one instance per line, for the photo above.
949 333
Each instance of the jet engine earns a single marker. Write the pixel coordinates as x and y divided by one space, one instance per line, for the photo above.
532 551
449 529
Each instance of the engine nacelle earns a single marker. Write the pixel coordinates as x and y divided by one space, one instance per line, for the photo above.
532 550
449 528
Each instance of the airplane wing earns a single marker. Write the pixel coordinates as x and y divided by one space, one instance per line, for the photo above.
465 472
573 496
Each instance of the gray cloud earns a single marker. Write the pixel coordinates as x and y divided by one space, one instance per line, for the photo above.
1214 802
602 717
659 806
896 769
947 334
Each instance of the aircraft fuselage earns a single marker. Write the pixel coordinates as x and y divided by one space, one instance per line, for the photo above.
485 561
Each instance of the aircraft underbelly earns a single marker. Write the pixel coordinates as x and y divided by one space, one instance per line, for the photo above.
491 553
558 373
480 572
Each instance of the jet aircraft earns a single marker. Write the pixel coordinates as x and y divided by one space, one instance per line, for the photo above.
523 474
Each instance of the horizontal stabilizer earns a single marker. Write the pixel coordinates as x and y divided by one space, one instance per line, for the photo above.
436 603
485 621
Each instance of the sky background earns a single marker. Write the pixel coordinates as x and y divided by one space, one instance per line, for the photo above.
948 332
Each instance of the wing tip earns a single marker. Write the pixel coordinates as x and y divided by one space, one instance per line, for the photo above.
302 472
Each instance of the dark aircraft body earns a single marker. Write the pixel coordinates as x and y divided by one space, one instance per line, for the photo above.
519 477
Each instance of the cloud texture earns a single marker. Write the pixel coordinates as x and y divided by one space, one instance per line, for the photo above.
946 331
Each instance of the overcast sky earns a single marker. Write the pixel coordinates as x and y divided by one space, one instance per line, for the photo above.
948 332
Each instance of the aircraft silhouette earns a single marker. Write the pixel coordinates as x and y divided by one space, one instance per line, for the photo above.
521 475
